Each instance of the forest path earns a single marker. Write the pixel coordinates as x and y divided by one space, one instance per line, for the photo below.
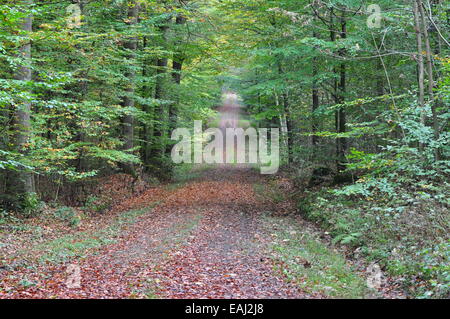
208 238
225 256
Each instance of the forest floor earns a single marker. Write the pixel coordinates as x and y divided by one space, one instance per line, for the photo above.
217 234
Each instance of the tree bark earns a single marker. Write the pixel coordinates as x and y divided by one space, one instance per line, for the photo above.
430 76
127 100
339 96
159 109
315 101
290 137
420 65
147 92
159 165
177 67
21 183
341 116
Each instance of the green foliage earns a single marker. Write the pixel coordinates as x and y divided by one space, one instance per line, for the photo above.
436 266
25 283
94 204
31 204
88 84
82 244
312 265
394 212
8 161
397 211
80 77
68 215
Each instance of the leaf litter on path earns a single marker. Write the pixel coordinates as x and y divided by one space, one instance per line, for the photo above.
203 240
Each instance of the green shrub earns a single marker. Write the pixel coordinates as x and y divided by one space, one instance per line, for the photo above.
436 268
68 215
31 205
406 232
95 204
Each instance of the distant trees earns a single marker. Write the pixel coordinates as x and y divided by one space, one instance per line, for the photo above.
336 61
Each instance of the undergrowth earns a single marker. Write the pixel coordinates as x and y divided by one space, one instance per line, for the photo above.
81 244
309 264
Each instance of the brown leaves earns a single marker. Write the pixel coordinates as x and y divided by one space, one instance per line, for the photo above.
201 241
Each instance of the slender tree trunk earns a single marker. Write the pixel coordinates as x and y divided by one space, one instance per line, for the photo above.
339 96
177 67
83 88
380 78
336 94
420 64
287 113
290 139
158 134
283 122
178 56
147 92
341 116
430 75
315 101
128 100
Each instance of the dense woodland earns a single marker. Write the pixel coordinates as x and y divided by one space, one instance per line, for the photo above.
360 90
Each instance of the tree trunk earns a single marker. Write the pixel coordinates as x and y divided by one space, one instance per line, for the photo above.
178 56
127 100
147 92
157 147
21 183
339 97
159 165
315 101
341 121
287 113
290 139
430 76
177 66
420 65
